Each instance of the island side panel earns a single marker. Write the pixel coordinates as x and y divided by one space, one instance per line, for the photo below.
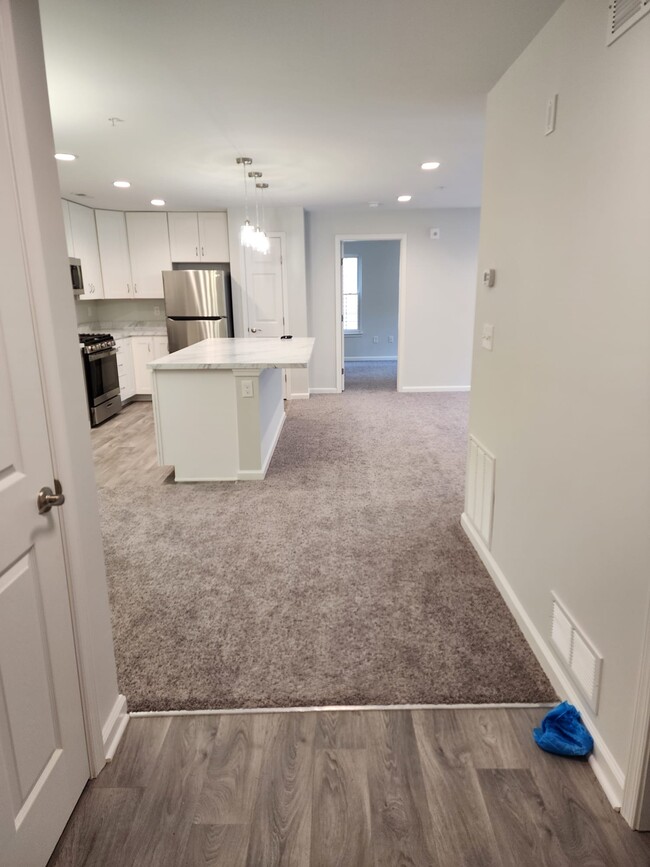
196 423
260 417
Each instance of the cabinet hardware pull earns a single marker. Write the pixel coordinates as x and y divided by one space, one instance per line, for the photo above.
202 253
197 250
135 288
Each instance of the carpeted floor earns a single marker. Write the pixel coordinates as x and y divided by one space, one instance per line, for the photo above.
343 578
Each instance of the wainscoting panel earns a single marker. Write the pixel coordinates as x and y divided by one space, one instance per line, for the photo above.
479 504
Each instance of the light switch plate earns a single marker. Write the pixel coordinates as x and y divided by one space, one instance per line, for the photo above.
487 336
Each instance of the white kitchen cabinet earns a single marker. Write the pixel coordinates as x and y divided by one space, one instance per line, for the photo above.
83 235
160 346
125 367
148 240
184 237
114 254
146 349
213 237
199 237
67 226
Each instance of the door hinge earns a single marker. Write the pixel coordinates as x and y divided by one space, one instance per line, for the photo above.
341 318
341 261
281 260
342 371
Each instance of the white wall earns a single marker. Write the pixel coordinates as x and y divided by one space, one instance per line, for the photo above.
379 275
439 294
562 401
291 221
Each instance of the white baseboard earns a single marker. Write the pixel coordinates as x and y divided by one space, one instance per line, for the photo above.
605 767
355 708
417 388
324 391
299 395
370 358
113 728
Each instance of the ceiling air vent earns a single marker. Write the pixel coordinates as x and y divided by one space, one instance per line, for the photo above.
623 14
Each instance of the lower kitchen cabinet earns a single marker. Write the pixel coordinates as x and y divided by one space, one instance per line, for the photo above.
125 367
146 349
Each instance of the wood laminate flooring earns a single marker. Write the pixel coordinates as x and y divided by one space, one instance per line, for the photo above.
124 449
449 787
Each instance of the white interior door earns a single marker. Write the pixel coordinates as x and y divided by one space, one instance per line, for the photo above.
43 758
265 291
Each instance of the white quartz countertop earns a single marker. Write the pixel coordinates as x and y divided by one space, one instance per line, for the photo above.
231 353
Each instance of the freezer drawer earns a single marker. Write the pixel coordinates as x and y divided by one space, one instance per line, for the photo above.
185 332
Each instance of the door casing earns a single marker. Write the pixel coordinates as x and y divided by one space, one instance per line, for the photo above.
339 240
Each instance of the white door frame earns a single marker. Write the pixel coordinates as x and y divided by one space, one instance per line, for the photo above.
54 324
338 252
635 807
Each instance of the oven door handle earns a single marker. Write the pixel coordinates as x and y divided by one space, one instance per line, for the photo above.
97 356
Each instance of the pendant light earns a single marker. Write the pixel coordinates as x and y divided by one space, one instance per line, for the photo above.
258 242
246 231
264 244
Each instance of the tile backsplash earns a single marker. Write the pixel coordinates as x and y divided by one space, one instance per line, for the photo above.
120 310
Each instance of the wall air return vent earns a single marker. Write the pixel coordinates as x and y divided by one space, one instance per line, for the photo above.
578 654
479 496
623 14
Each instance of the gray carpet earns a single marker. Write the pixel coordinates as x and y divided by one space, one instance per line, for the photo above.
343 578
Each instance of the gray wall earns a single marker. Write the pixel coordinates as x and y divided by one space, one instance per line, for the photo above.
379 298
439 294
562 400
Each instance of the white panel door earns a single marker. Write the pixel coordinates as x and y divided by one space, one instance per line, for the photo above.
184 237
149 251
213 237
114 254
43 758
265 291
86 249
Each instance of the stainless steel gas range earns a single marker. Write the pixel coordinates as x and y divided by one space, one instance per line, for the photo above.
102 381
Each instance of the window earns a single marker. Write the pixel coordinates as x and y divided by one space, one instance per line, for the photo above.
351 278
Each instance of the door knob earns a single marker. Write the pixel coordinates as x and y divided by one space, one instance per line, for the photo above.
48 498
255 330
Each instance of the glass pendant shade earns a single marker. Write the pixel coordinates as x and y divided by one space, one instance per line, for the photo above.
247 234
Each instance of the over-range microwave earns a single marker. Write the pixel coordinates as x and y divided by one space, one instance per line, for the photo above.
76 277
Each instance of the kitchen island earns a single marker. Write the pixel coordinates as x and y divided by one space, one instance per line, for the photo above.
219 405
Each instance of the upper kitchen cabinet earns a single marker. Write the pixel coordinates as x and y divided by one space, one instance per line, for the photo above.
199 237
65 207
83 240
148 239
114 253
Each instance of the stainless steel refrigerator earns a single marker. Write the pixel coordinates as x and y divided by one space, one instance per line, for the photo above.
198 305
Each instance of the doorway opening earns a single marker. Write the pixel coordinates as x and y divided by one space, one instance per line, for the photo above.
369 285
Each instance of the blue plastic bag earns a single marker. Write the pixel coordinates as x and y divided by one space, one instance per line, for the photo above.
562 732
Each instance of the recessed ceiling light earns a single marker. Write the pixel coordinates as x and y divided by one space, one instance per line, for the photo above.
429 166
404 198
373 204
66 158
122 184
158 202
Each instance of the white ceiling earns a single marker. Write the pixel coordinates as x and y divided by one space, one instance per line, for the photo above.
337 102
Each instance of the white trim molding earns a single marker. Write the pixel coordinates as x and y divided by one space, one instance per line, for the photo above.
299 395
324 391
605 767
339 240
349 358
635 808
414 389
114 727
